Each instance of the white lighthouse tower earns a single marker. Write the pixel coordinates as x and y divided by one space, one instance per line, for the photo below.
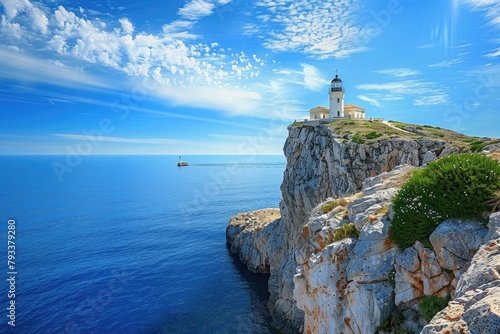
336 98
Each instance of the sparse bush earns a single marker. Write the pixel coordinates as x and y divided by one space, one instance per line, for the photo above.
430 305
342 202
494 202
357 139
329 206
394 324
477 145
373 135
346 231
456 186
382 211
391 277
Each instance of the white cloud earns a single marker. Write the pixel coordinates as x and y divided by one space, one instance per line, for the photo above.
372 101
228 100
399 72
35 16
171 58
312 78
127 26
11 29
324 29
196 9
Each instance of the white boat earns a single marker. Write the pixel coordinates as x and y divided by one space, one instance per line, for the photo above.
182 163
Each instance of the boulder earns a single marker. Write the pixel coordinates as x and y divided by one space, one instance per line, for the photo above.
456 241
373 255
484 268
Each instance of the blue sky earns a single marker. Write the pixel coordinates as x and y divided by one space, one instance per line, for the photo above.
228 76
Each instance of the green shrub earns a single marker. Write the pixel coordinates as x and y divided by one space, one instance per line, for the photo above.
456 186
357 139
394 324
478 144
430 305
346 231
373 135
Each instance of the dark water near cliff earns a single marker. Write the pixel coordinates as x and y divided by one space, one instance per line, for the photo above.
133 244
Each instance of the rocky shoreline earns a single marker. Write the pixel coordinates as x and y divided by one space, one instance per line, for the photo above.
322 285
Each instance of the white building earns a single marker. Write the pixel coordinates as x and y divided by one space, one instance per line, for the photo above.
337 109
354 111
319 113
336 98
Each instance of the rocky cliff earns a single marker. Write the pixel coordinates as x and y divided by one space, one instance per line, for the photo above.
319 284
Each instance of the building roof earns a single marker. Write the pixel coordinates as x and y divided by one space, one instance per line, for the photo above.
353 106
336 79
320 109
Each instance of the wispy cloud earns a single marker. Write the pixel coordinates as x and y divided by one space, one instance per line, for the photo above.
399 72
24 67
374 102
491 9
323 29
150 141
494 53
448 63
398 90
312 78
431 100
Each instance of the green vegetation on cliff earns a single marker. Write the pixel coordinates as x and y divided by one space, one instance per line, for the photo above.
430 305
456 186
362 131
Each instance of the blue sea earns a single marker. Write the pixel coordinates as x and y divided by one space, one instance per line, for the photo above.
132 244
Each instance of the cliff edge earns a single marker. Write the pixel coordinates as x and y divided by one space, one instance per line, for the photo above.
343 174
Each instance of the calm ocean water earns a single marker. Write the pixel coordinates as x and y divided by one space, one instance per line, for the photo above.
133 244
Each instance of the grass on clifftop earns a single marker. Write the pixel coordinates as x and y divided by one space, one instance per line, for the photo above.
363 131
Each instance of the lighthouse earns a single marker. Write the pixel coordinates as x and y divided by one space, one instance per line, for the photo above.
336 98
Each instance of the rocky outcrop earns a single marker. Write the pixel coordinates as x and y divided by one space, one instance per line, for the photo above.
339 282
249 233
319 284
476 308
321 164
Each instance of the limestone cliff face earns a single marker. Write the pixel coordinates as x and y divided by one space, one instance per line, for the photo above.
321 164
320 283
249 234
